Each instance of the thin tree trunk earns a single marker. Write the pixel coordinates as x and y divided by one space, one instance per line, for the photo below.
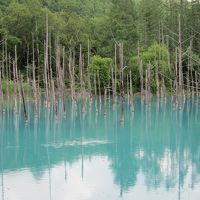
149 83
131 94
99 87
197 85
46 58
115 77
34 78
95 92
23 99
141 78
121 83
157 80
1 91
180 66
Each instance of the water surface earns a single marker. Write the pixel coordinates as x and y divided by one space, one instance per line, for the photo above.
154 154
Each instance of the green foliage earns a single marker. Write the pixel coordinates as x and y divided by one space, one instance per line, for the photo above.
103 67
10 85
157 54
154 55
122 25
103 23
150 15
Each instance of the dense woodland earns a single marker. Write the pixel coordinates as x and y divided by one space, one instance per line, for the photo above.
90 44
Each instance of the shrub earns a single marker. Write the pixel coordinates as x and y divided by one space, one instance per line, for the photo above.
102 66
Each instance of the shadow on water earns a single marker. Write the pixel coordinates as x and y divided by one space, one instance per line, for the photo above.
160 142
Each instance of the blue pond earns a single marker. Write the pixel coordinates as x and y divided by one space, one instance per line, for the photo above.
153 155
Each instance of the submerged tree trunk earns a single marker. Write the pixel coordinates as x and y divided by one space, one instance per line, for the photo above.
23 98
141 78
1 91
121 59
157 80
131 94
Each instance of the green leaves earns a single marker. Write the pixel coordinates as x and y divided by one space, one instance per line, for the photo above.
154 55
102 67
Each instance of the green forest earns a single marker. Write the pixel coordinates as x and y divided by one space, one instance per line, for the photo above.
159 33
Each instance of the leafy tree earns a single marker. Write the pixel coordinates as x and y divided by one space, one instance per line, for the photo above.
154 55
101 66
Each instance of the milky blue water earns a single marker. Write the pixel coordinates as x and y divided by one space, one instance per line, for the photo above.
154 155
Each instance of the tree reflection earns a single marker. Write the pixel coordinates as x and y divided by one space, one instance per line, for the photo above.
160 142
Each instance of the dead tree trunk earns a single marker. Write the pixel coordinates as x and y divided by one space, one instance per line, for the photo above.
16 73
88 72
141 78
121 59
105 101
115 78
46 59
71 76
148 83
15 88
1 91
81 72
157 80
23 99
34 78
95 92
180 93
99 88
131 94
196 84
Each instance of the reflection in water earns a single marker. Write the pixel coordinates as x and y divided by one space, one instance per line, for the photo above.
90 156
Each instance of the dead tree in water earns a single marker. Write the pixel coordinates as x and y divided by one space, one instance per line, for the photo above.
16 74
34 78
180 72
131 94
88 73
23 98
115 78
191 69
63 81
176 77
15 88
121 59
113 83
141 78
1 91
7 70
157 80
163 88
71 76
196 84
27 64
99 87
46 60
58 72
95 92
81 69
105 101
140 64
127 89
188 77
9 74
148 86
81 72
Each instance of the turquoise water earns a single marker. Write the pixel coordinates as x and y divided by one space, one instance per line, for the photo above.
154 154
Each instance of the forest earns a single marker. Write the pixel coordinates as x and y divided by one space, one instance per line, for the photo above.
115 44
